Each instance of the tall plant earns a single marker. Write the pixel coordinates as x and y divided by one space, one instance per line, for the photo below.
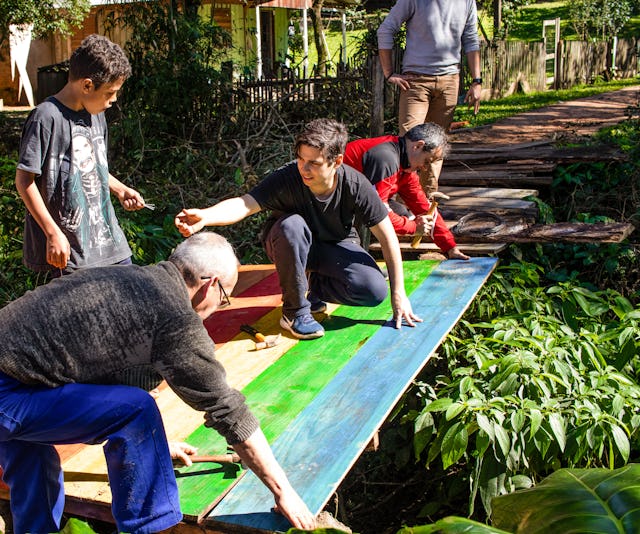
599 18
542 379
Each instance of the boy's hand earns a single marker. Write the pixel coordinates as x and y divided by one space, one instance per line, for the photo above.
130 199
58 250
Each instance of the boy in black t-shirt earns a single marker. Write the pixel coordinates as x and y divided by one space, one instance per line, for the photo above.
63 175
315 201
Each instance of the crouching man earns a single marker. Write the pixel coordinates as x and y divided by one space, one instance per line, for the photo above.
64 346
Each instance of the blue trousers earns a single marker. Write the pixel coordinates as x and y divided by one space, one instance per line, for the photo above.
341 272
126 419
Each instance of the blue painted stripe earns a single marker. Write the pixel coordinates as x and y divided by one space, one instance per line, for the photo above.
320 446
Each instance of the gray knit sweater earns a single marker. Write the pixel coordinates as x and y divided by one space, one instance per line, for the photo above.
90 326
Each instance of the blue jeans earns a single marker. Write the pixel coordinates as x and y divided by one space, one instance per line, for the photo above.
126 419
341 272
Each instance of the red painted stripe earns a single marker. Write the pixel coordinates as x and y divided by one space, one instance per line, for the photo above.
246 308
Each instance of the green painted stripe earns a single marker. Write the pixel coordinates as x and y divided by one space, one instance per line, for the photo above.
305 369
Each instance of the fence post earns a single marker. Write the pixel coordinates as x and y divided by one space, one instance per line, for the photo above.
376 127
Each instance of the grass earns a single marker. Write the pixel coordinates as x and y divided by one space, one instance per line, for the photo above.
494 110
528 25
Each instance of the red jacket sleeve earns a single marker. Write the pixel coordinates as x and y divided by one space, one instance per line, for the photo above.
411 191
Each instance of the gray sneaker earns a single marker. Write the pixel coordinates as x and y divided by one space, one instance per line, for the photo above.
302 327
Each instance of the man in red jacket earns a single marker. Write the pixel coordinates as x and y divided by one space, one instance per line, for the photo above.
391 164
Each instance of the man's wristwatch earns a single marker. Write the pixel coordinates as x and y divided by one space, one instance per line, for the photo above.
476 80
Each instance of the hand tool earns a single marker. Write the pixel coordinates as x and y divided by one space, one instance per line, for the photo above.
430 213
229 458
262 341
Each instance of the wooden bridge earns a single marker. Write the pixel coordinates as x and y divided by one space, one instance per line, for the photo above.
319 402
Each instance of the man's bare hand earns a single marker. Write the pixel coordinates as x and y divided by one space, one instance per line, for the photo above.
181 451
400 80
290 505
402 311
473 97
456 254
189 221
425 224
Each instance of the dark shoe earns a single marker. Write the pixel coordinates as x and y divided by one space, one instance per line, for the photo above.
317 305
302 327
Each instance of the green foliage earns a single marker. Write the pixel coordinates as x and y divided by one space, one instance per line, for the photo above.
574 500
76 526
536 379
599 18
47 16
14 278
453 525
510 11
526 24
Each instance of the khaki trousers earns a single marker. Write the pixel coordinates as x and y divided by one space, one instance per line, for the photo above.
429 99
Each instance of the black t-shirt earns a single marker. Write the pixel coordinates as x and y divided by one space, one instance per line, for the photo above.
332 219
67 152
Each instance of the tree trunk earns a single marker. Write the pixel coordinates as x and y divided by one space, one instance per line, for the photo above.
318 36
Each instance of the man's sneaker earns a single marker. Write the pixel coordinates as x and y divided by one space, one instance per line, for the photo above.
303 327
317 305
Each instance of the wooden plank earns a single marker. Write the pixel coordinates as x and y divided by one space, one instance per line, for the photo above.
487 192
489 179
305 368
320 446
517 167
562 155
488 204
568 232
457 210
425 247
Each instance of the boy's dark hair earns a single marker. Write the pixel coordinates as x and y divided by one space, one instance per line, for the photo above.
100 60
327 135
432 134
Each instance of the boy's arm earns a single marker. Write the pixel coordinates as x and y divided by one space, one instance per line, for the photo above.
129 198
388 240
233 210
58 248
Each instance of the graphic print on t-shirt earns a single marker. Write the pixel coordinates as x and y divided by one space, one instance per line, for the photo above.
87 210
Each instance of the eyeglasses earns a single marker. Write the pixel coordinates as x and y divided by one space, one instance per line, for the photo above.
225 301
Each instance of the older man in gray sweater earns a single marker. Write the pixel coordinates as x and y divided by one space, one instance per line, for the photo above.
65 347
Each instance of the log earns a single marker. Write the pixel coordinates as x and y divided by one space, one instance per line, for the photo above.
488 192
565 232
541 153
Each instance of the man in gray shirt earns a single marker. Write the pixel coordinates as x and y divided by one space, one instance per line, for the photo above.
429 82
65 344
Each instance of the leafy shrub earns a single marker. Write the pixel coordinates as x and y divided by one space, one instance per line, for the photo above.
542 379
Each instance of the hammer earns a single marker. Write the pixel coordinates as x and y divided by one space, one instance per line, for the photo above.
262 341
430 212
229 458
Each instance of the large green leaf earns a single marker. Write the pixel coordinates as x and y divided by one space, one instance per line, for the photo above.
574 500
453 525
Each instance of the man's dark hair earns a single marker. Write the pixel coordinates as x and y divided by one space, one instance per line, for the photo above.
432 134
100 60
327 135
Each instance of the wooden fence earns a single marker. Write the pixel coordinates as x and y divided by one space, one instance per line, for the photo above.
507 66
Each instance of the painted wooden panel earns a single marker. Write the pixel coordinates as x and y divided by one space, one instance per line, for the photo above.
305 369
319 447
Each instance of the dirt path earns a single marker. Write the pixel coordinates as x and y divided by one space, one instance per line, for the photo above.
566 121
